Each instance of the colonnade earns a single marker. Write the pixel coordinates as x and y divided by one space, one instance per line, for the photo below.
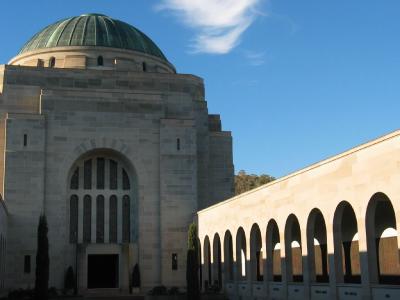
349 256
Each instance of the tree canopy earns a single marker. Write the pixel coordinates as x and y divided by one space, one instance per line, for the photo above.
246 182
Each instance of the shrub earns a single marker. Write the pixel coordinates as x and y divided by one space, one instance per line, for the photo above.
136 277
42 261
69 282
192 265
158 291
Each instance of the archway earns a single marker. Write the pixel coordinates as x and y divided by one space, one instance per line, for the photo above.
241 255
102 198
207 263
228 256
274 262
317 247
256 257
347 256
382 244
293 253
217 274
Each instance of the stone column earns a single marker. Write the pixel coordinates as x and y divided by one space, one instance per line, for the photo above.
333 266
365 260
306 265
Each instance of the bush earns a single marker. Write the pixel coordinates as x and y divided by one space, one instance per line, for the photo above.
21 294
136 277
69 282
174 291
42 261
158 291
192 265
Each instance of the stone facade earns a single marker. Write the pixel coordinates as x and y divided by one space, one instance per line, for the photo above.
153 122
329 231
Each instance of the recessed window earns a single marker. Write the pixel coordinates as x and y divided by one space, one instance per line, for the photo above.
178 144
144 67
25 140
100 61
27 264
52 62
174 261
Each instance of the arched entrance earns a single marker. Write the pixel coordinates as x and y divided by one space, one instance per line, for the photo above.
256 257
228 256
317 247
274 263
345 233
241 255
102 213
294 259
217 272
382 241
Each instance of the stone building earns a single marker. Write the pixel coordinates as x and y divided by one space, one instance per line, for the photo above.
100 133
328 231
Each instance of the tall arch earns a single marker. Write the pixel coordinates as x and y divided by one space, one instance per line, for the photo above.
207 263
317 247
256 257
274 262
345 234
109 179
228 256
293 253
382 243
217 271
241 254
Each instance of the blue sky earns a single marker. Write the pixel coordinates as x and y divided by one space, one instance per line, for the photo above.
295 81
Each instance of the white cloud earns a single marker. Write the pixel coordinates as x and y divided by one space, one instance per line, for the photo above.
255 58
220 23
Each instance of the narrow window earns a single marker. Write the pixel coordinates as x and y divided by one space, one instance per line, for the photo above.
100 61
113 174
126 219
25 140
73 219
113 219
100 173
87 219
75 180
52 62
87 175
174 261
125 181
178 144
100 219
27 264
144 66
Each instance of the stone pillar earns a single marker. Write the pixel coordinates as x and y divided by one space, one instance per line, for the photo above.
306 265
333 266
284 264
365 260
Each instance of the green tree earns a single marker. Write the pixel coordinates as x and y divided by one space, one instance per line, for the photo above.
192 264
245 182
42 261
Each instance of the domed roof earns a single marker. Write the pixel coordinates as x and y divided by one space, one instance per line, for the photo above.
93 30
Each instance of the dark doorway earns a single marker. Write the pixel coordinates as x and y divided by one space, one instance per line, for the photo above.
102 271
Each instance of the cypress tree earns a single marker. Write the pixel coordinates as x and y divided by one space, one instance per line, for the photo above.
192 265
42 261
136 277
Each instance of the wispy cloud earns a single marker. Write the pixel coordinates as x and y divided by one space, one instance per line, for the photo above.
255 58
219 23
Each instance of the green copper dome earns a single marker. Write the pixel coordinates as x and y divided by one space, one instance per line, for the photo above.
93 30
